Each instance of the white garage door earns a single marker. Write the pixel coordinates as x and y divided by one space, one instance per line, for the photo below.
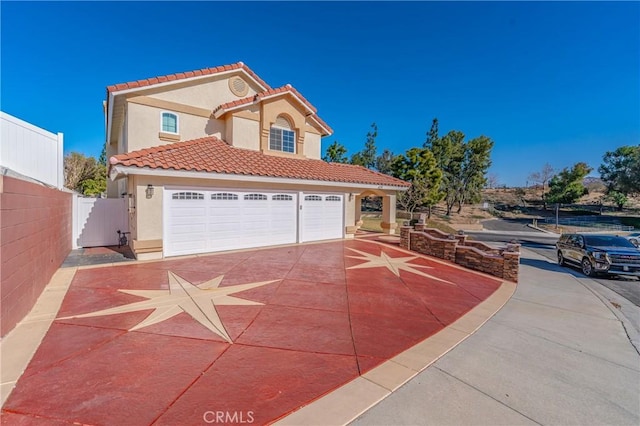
199 221
322 217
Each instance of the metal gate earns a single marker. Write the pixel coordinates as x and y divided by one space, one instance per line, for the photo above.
97 220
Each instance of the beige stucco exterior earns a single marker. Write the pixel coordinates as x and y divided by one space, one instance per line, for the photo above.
138 125
146 214
207 95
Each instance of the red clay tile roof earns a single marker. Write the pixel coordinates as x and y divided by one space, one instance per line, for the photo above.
271 92
211 154
183 75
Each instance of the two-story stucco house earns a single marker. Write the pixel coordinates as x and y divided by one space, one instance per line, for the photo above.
216 159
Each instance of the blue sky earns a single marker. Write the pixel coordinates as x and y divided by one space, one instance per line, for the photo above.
548 82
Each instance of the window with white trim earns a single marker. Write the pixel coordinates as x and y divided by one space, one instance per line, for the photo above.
169 122
224 196
260 197
188 196
282 137
282 197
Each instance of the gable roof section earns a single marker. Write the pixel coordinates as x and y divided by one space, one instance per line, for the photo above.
272 93
186 75
213 155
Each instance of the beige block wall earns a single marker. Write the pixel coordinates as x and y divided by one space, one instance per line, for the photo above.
145 127
206 95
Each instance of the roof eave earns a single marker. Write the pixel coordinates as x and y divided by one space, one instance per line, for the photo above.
117 171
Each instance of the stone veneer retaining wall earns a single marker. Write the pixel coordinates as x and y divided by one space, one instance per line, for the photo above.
455 248
35 238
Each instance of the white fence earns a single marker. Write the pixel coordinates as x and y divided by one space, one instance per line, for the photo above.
31 151
96 221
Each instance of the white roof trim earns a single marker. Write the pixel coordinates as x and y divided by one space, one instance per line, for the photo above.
327 131
118 171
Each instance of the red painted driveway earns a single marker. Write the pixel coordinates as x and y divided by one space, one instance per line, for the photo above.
256 334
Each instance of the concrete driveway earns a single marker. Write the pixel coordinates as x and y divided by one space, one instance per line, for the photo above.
244 337
556 354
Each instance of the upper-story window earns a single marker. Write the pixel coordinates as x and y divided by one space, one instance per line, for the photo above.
282 137
169 122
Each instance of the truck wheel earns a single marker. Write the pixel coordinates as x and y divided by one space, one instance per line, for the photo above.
587 268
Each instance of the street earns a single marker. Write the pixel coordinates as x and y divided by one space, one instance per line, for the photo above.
544 244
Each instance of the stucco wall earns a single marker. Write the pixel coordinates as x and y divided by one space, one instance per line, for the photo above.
205 95
144 129
271 109
246 133
312 148
35 238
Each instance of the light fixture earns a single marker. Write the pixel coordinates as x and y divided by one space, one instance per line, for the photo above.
149 191
351 196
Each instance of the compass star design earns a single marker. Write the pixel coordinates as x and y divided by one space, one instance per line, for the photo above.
394 264
198 301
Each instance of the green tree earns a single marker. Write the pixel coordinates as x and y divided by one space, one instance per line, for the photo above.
432 134
463 164
336 153
620 170
617 198
84 174
102 160
566 187
418 166
384 161
448 152
367 157
476 162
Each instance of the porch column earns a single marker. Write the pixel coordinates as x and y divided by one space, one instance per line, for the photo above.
389 214
358 211
350 213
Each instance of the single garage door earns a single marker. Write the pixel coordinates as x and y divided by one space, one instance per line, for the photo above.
322 217
199 221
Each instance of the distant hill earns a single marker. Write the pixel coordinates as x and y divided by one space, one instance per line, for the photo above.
589 180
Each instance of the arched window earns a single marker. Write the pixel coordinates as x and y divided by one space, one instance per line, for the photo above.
282 137
169 122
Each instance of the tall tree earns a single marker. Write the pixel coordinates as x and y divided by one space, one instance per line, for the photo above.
620 170
384 161
449 154
102 160
418 166
432 134
336 153
542 178
84 174
367 157
476 162
566 187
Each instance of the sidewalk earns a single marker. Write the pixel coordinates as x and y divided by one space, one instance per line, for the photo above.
555 354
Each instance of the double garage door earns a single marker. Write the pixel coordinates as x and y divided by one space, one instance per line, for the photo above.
199 221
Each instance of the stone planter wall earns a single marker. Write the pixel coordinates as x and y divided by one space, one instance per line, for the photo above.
502 263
